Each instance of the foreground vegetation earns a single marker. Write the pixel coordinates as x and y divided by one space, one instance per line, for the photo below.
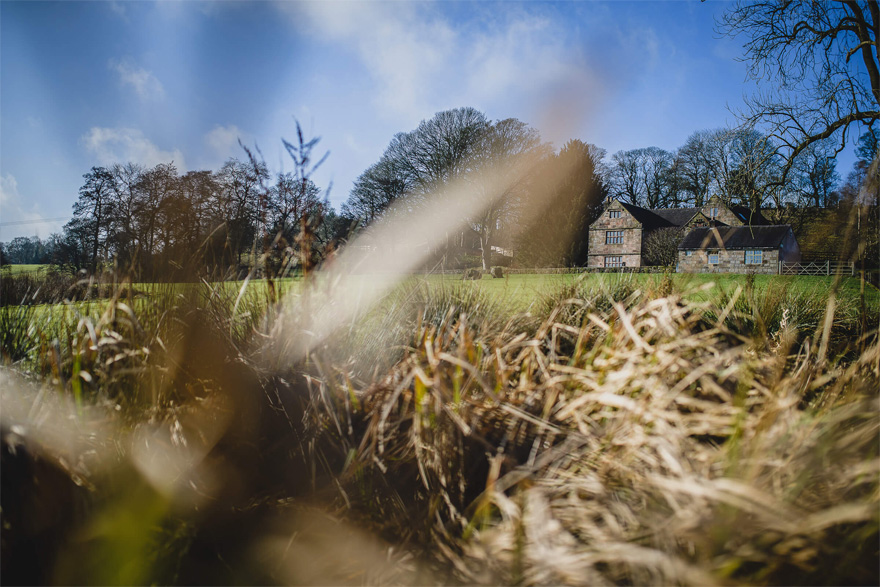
623 430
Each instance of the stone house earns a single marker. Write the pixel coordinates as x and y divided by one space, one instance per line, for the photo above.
617 236
737 249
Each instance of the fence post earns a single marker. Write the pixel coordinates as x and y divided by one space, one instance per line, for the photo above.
828 267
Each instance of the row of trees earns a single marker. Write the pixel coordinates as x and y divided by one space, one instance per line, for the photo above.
151 219
742 166
157 222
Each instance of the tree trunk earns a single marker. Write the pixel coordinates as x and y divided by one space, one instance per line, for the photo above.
486 250
97 237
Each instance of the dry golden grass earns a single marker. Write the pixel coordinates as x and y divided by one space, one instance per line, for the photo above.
613 436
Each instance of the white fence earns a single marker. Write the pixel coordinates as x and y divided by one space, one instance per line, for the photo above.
817 268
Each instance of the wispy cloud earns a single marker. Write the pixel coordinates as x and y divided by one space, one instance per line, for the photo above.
143 82
15 210
118 9
422 60
121 145
402 49
222 141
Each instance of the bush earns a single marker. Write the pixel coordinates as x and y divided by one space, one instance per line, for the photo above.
661 246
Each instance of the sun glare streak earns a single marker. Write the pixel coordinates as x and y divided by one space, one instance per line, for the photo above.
388 253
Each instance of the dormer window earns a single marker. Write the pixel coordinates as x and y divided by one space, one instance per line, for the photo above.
613 213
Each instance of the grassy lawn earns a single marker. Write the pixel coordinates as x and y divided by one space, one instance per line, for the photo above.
515 293
19 269
519 292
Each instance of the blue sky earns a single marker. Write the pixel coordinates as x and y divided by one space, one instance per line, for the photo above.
91 83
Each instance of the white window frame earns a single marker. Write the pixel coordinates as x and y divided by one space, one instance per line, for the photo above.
755 258
614 261
688 253
613 213
613 237
710 255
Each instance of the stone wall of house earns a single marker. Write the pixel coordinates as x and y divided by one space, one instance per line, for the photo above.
630 249
598 261
729 261
724 214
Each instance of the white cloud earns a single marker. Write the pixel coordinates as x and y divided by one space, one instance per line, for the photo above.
118 9
400 48
14 210
520 61
223 141
121 145
143 82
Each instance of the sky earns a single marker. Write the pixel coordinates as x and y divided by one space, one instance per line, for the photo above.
93 83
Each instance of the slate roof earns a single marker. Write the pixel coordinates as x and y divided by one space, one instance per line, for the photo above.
677 216
647 218
735 237
672 217
749 217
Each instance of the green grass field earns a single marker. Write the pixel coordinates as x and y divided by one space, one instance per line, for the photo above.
19 269
519 292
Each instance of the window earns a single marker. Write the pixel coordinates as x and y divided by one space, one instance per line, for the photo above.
688 253
614 262
713 212
613 213
754 256
713 257
613 237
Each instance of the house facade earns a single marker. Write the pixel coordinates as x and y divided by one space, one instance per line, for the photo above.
737 249
617 236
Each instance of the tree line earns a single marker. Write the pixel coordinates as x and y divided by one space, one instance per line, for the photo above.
155 222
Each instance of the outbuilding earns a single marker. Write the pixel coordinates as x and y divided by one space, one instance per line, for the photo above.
737 249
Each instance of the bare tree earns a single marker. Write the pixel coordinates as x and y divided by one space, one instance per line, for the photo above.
694 163
644 177
375 190
661 246
815 176
624 177
821 62
439 151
